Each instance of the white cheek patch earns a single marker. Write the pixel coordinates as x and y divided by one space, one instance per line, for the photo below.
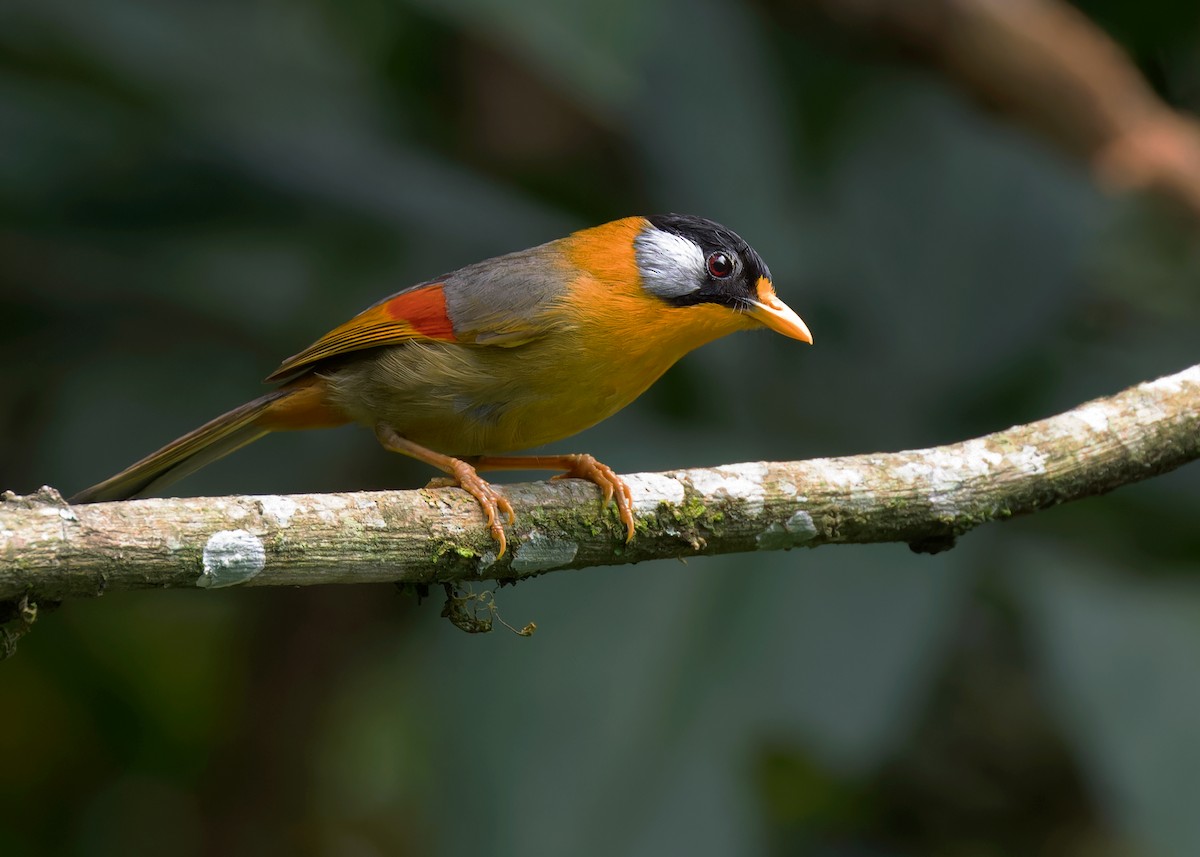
671 265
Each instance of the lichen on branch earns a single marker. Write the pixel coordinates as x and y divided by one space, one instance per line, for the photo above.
925 498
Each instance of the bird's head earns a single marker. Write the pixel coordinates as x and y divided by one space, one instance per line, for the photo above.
688 261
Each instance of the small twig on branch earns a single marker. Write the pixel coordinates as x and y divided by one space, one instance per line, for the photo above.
925 498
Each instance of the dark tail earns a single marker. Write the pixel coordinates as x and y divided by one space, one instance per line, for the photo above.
298 405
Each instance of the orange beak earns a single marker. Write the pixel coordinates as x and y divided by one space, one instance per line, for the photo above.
769 310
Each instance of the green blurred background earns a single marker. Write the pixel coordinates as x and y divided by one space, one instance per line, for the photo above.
191 191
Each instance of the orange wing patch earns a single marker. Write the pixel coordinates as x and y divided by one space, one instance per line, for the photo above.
418 313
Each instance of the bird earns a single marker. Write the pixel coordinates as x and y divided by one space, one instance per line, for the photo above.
504 355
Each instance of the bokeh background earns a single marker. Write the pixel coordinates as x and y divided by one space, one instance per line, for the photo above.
191 191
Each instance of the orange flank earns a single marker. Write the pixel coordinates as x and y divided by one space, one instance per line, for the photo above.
304 407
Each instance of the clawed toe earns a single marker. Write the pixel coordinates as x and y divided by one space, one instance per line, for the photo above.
584 466
491 501
459 473
579 466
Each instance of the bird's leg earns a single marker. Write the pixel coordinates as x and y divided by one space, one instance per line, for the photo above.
490 500
578 466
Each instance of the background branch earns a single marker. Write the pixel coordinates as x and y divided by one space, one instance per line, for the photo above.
923 497
1050 69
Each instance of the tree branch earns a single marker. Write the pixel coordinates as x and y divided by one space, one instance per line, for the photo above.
926 498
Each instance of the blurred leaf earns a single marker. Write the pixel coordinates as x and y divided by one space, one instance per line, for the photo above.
711 129
968 249
655 710
592 49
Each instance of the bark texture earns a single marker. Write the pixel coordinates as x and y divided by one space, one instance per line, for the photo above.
925 498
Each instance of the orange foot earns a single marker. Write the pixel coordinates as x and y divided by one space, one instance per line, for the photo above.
583 466
577 466
490 500
460 473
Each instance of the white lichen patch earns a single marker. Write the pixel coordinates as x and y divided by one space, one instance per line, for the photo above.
1173 383
231 557
740 482
974 458
1094 417
940 471
228 511
842 477
277 510
1028 459
773 538
650 489
755 471
539 552
486 561
801 526
374 522
328 507
914 471
797 530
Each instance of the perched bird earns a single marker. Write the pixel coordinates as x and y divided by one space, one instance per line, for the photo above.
506 354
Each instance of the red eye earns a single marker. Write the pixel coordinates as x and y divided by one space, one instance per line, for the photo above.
720 265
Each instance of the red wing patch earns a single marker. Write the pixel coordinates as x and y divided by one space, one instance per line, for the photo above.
418 313
425 309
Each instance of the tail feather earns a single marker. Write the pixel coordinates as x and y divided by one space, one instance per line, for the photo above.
215 439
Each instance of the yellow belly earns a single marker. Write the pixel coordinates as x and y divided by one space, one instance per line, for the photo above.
473 400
